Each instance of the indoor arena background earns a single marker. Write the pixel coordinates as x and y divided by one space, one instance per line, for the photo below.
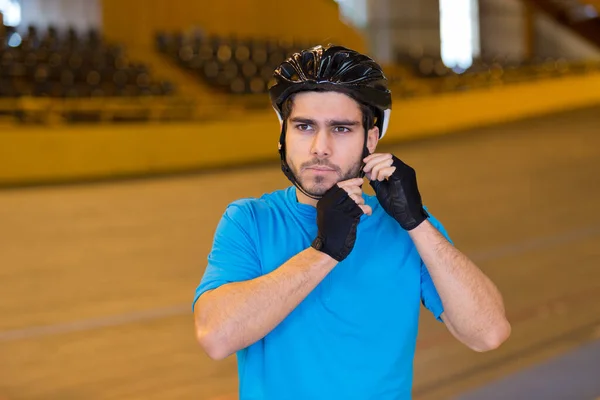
126 127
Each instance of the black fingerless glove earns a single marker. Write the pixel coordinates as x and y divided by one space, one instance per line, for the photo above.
337 219
399 196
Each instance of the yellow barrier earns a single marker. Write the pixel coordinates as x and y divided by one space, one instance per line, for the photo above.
36 155
449 112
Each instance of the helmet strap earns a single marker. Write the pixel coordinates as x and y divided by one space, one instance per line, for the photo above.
366 152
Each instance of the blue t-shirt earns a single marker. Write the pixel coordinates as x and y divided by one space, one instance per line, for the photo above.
354 335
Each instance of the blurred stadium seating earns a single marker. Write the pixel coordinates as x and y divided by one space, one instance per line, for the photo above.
80 77
71 64
228 64
417 75
243 66
62 75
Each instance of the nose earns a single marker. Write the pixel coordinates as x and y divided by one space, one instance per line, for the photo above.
321 146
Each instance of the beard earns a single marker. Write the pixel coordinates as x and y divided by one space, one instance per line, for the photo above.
318 185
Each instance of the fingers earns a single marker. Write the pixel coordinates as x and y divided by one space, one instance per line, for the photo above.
375 163
354 190
350 183
358 199
382 170
383 174
374 159
366 209
378 167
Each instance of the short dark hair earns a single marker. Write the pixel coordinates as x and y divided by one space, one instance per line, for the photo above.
368 113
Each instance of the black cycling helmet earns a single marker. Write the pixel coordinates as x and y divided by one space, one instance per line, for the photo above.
333 68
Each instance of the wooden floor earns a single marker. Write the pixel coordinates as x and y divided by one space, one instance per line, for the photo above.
96 281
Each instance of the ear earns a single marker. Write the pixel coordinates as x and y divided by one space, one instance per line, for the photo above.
372 139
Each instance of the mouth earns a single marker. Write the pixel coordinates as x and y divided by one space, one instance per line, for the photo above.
320 169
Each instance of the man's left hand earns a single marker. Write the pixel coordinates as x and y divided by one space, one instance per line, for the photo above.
395 185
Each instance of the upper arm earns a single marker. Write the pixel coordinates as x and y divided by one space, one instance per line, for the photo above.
430 297
233 256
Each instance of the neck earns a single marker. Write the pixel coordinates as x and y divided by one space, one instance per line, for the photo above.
304 199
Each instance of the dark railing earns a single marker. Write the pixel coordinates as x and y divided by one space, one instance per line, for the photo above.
581 17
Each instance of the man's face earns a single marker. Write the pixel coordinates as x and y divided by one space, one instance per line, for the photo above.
325 140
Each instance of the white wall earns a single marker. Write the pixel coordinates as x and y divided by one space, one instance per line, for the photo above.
80 14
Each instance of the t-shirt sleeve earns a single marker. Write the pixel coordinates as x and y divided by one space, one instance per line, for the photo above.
233 256
429 294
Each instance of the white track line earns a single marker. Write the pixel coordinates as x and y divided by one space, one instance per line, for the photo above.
93 323
543 242
158 313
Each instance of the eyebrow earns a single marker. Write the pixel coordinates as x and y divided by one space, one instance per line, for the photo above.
332 122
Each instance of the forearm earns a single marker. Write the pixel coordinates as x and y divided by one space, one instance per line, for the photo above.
238 314
473 306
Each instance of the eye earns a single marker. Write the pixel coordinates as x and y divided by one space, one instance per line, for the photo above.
341 129
303 127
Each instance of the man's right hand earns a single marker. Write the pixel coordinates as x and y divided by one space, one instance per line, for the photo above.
338 214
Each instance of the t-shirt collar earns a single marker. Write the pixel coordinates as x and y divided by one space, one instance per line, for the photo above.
309 211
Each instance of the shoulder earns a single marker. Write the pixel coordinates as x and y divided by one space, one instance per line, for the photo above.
249 208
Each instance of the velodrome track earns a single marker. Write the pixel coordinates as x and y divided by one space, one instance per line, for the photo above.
96 281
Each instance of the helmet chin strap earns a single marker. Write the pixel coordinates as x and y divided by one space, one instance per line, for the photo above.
366 152
287 171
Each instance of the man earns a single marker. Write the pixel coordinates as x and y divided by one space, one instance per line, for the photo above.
318 287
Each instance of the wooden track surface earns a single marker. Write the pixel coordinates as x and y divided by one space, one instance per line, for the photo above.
96 281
